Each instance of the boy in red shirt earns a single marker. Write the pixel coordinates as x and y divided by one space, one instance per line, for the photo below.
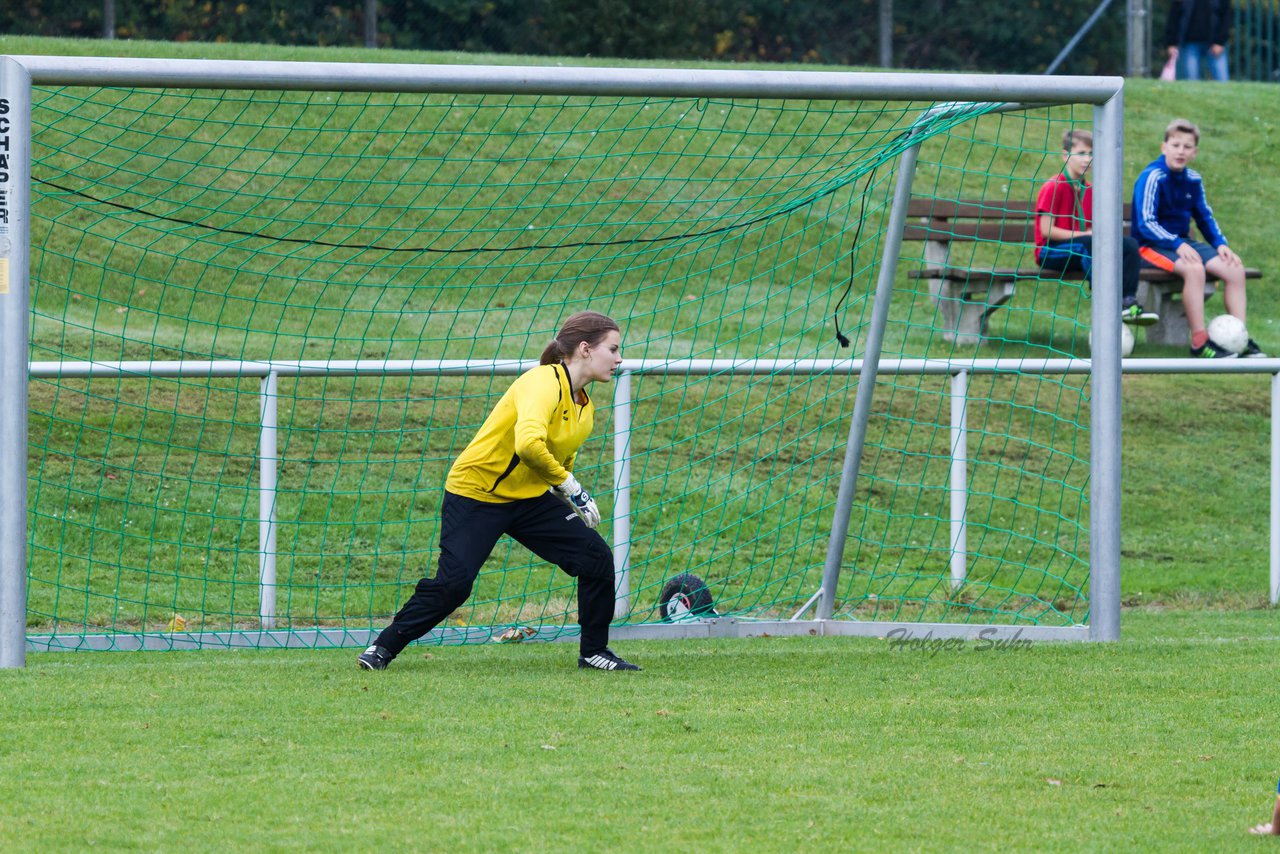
1064 227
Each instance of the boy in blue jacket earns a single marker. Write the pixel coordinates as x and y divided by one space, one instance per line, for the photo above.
1166 197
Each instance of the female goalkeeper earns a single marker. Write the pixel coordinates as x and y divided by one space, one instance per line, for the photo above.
516 477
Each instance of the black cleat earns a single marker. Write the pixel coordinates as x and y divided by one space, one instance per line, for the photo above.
1252 351
1211 350
1134 313
374 658
604 660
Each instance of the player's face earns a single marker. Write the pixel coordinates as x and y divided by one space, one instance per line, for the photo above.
1179 150
1079 159
601 361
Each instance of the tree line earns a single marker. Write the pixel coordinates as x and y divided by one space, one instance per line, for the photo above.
1012 36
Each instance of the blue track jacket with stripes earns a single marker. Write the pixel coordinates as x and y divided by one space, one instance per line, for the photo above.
1164 203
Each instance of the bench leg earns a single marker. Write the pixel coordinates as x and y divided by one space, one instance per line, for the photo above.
1172 330
965 315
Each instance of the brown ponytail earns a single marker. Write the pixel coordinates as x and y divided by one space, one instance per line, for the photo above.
588 326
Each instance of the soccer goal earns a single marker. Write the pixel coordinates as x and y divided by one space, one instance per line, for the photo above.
251 311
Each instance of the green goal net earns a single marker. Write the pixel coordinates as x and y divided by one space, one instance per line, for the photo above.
265 322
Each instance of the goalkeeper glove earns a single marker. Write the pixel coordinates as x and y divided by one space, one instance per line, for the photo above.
579 500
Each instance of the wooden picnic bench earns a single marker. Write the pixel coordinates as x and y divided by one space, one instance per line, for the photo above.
967 296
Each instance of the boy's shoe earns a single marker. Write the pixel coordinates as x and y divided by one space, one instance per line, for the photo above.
1211 351
374 658
1253 351
605 660
1134 313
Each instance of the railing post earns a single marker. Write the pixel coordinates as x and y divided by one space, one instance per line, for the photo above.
268 463
622 494
959 478
1138 37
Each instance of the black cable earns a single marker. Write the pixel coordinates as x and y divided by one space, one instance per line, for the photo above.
853 254
463 250
853 262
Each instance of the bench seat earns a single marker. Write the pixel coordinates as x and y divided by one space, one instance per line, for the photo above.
974 293
967 296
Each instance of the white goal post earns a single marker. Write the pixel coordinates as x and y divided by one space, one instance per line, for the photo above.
950 91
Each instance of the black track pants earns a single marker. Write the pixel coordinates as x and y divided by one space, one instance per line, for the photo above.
469 530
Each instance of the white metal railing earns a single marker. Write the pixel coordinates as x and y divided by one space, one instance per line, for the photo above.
959 371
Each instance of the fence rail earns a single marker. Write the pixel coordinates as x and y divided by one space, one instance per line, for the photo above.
1254 50
269 372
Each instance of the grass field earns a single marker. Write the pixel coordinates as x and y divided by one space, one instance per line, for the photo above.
1159 742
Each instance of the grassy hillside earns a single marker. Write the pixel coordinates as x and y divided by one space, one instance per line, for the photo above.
1189 442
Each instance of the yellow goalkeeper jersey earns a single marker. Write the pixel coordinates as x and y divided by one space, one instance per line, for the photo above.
527 444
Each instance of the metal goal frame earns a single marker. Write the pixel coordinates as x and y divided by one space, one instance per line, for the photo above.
949 91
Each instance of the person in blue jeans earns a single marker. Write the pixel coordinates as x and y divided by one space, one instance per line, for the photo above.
1064 227
1196 34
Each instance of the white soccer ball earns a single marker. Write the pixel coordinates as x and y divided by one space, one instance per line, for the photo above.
1126 341
1228 332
